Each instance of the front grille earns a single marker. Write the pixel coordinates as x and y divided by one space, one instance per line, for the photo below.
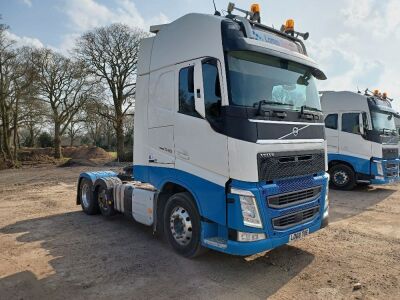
297 197
390 153
391 169
273 166
296 218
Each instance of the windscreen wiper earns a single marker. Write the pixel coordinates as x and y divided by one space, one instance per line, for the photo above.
260 103
306 112
391 131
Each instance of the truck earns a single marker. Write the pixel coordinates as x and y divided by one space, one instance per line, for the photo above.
362 138
229 144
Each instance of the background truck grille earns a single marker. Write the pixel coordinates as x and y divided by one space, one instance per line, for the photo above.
390 153
272 166
287 199
296 218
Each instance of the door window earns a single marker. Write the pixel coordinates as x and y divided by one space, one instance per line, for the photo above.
331 121
351 123
186 92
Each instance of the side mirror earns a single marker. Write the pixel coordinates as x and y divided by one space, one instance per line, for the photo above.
199 91
361 124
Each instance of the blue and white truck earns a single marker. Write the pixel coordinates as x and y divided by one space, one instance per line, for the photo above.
230 150
362 139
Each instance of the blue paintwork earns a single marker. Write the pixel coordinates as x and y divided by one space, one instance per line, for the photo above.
93 176
368 167
218 216
209 197
211 201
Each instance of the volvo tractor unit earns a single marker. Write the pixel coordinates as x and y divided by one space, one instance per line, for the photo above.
362 138
229 150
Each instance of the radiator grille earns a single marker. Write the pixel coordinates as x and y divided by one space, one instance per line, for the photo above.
289 164
297 197
390 153
294 219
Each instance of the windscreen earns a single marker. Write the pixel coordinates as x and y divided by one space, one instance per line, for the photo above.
256 77
382 121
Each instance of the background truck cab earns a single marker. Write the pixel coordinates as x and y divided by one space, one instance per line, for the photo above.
362 139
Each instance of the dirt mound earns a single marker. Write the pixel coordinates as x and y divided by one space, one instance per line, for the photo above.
85 152
77 162
43 155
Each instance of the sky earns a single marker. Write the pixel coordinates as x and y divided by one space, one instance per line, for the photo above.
356 42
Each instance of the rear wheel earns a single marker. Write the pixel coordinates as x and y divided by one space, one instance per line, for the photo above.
105 200
182 225
88 203
342 177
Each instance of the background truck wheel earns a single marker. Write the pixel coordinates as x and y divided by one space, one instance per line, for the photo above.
342 177
88 202
182 225
104 195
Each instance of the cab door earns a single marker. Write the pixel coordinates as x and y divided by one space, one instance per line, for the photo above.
199 149
351 140
332 134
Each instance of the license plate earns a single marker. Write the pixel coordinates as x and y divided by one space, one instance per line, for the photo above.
299 235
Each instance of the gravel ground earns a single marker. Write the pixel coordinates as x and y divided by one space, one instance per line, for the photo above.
50 249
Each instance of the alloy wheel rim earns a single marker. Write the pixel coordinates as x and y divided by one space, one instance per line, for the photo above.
181 226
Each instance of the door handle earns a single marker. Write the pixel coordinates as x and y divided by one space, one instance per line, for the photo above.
198 93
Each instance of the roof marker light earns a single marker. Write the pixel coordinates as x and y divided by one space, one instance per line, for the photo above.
255 8
289 25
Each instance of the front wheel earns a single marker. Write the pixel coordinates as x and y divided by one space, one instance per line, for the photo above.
182 225
342 177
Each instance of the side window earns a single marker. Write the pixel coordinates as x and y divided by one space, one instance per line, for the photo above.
331 121
186 92
351 123
212 89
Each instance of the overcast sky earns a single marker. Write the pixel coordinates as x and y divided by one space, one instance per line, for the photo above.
356 42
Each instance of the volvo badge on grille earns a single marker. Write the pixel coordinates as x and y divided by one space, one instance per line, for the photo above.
295 131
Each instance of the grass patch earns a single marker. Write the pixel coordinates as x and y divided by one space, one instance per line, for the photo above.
113 155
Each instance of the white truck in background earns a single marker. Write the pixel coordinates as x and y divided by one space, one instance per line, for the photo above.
229 149
362 138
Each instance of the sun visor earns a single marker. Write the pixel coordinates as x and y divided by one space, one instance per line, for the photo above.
277 51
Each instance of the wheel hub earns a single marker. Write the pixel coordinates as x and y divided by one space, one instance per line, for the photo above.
181 226
341 177
103 200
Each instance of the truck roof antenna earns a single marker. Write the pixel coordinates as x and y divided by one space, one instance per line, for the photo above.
216 12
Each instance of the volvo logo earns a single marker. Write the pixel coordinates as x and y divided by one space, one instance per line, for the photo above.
295 131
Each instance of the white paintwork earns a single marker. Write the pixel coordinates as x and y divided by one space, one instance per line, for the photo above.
167 138
143 206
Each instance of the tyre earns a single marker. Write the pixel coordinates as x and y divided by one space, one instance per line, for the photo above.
182 225
88 202
342 177
104 195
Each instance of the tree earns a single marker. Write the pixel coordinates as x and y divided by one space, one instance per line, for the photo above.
111 54
16 83
64 86
74 128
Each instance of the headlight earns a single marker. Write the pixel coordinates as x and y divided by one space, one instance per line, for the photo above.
379 167
248 204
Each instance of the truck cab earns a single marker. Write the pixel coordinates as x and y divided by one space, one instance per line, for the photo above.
362 139
229 134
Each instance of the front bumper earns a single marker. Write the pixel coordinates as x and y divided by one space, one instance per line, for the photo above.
275 237
385 171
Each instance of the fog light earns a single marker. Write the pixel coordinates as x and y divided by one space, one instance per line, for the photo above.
250 236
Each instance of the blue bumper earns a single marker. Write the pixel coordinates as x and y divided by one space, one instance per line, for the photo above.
385 171
274 237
